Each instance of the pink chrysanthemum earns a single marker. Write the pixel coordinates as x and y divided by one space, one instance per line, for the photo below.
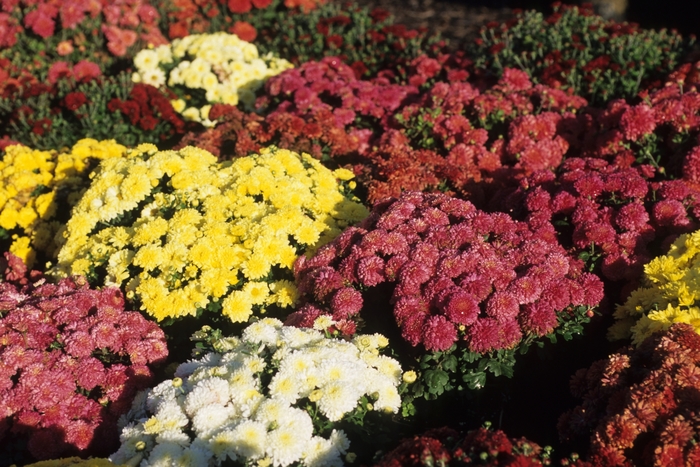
345 303
462 307
438 334
370 271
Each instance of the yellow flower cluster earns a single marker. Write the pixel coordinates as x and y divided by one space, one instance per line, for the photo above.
182 232
30 182
221 65
671 295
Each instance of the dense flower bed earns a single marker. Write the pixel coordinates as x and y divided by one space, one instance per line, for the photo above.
294 233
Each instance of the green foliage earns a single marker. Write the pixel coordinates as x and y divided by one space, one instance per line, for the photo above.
578 50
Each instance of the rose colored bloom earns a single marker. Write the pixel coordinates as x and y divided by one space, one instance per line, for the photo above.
438 334
503 306
74 100
462 308
370 271
345 303
59 70
85 70
515 80
118 40
632 217
42 20
670 213
489 334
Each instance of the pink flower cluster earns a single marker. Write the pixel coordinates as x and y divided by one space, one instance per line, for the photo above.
458 274
641 404
71 361
125 21
409 139
331 84
474 142
610 211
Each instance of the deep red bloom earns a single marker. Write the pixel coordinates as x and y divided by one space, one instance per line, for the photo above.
638 121
74 100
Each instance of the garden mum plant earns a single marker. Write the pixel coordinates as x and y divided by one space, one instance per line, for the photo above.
667 296
576 49
72 358
274 396
35 183
182 233
640 405
466 286
204 69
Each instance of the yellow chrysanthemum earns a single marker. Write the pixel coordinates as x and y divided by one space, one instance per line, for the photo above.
237 307
213 227
670 296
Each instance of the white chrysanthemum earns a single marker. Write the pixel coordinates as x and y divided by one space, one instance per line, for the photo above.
338 398
323 322
207 392
340 441
194 456
223 445
287 444
389 399
297 337
334 369
265 331
385 365
169 416
164 455
173 437
271 411
210 419
321 452
249 439
133 440
296 362
146 59
186 369
137 410
254 364
285 386
164 391
155 77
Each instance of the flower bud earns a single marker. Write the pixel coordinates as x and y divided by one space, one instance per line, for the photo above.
409 377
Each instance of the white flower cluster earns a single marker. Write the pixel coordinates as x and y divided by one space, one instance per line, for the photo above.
227 68
218 408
